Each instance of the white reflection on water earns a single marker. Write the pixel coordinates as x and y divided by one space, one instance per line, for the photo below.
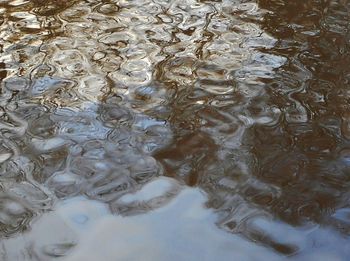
182 229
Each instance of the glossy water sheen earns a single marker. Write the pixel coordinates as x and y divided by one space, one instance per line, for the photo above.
174 130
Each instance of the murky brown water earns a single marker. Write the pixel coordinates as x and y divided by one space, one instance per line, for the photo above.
244 106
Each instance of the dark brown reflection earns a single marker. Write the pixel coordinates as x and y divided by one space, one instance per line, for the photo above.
189 156
51 7
306 153
3 72
296 167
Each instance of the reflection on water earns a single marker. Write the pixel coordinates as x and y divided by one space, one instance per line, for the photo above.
243 104
179 227
176 231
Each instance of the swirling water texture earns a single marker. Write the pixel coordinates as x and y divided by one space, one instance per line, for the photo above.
246 100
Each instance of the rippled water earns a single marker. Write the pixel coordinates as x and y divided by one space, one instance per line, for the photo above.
174 130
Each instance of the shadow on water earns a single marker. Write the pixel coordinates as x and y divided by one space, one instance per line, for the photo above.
222 125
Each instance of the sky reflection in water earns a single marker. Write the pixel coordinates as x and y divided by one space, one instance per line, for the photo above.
179 228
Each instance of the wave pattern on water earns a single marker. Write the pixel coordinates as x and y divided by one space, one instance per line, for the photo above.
246 100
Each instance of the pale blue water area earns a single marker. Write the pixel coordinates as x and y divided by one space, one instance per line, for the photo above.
172 224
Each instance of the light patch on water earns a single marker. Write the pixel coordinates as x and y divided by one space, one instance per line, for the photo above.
184 229
151 190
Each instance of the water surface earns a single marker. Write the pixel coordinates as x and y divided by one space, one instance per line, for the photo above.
209 130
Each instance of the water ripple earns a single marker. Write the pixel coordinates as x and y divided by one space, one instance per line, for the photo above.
247 101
